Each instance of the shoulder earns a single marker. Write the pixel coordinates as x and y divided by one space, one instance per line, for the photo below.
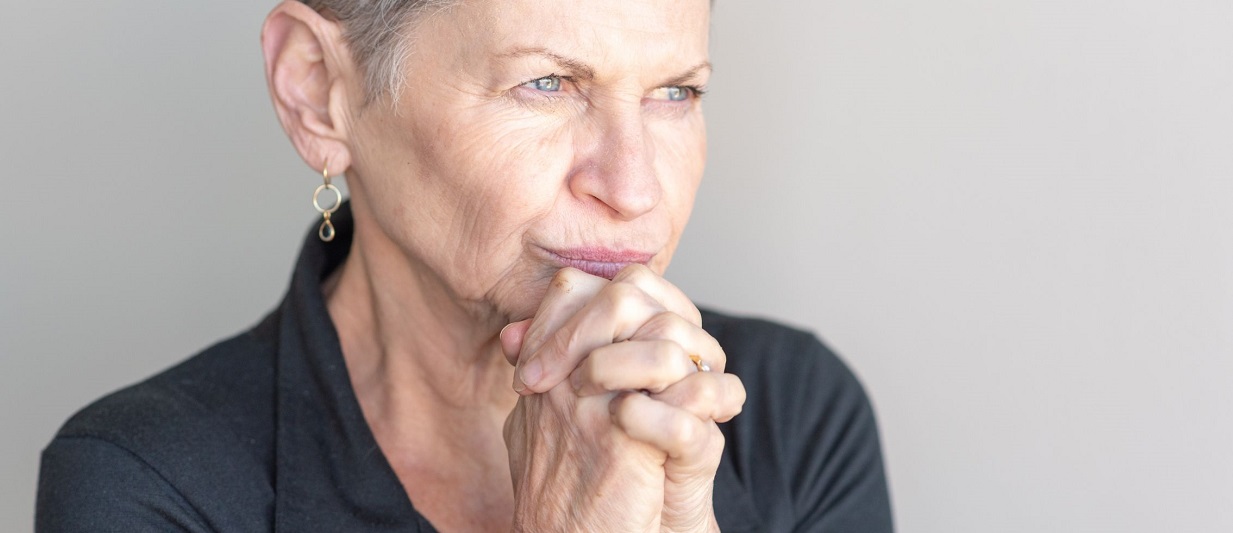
227 388
792 379
197 435
806 443
770 353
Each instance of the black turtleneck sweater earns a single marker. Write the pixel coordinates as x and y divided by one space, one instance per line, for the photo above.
263 432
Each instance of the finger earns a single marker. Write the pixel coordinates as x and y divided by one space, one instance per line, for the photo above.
633 296
568 292
512 336
611 316
650 365
706 395
695 340
660 290
683 436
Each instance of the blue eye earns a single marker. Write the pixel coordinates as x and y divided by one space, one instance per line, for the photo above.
548 84
675 93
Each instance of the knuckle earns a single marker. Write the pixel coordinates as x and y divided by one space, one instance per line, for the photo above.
682 431
704 398
734 392
625 299
600 379
675 325
708 393
634 273
564 280
664 321
679 433
718 350
737 387
665 363
665 325
620 291
695 316
665 354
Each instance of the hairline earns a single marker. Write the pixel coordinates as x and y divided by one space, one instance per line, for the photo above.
387 50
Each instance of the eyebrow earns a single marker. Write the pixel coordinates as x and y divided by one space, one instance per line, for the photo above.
584 71
688 75
580 69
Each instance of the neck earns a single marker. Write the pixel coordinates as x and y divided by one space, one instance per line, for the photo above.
416 356
431 381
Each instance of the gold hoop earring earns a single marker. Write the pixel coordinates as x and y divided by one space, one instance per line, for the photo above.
326 230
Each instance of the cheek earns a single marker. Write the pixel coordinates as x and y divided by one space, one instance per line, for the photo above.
680 161
495 177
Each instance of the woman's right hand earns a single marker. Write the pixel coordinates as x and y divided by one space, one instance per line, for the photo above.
574 470
635 333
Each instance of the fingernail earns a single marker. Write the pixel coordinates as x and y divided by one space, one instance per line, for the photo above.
501 341
518 386
531 373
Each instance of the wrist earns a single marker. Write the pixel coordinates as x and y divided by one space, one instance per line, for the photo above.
703 522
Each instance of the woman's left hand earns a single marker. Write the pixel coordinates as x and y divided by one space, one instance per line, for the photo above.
637 333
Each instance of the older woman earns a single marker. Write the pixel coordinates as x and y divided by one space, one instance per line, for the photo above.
520 174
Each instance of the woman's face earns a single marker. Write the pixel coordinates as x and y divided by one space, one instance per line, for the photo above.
537 134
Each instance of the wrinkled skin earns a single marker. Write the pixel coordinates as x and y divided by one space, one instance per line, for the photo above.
499 171
655 329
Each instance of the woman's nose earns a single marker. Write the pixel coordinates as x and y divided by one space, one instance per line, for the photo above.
618 167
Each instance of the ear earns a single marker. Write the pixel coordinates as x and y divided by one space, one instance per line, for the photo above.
312 81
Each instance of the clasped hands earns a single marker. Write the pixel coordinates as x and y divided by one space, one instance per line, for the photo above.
615 429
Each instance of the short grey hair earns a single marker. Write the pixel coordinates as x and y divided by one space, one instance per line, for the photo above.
377 31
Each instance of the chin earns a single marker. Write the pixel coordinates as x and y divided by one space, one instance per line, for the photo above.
518 297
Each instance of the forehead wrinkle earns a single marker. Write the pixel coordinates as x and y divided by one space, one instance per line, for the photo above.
585 23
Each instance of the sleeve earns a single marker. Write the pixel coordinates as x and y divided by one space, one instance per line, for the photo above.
90 484
839 482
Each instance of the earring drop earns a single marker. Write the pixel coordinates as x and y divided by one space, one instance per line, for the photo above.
326 230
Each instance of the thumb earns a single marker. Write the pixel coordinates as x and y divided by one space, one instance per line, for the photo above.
512 336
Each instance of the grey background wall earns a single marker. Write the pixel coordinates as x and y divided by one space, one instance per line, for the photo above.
1014 219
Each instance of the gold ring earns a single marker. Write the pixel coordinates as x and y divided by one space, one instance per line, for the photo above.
699 363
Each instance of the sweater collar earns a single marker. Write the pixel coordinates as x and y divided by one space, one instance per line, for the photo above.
331 474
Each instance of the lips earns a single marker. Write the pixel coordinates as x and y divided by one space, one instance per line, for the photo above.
598 261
